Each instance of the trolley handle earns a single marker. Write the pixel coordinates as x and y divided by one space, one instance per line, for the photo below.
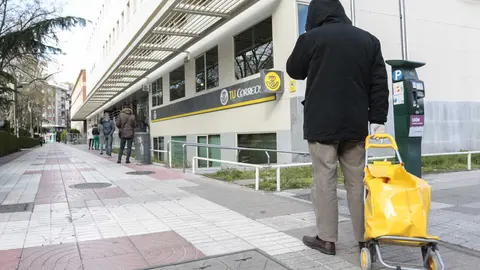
392 143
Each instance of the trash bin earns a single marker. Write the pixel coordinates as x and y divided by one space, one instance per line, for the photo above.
142 148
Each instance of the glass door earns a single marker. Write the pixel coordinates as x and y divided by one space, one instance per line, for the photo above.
214 153
177 151
202 152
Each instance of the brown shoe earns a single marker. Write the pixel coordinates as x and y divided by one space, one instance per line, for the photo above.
320 245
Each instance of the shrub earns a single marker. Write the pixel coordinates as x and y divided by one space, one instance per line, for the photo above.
23 132
63 135
9 143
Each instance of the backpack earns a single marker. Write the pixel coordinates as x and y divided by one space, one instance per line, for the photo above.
95 131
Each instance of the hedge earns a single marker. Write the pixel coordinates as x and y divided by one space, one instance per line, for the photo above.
9 143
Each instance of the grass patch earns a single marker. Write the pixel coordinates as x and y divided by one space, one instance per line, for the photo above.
453 163
301 177
290 178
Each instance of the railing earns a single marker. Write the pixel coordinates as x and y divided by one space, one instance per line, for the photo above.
292 165
468 153
186 144
269 166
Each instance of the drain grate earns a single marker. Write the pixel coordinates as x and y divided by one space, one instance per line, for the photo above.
90 185
140 172
11 208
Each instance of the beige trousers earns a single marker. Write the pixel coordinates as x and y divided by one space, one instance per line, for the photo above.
324 190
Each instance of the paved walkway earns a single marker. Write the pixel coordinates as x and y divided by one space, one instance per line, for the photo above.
164 218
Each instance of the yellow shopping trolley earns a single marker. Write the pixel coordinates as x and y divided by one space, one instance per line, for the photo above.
397 205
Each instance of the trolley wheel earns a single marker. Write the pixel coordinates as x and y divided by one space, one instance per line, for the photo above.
433 261
366 259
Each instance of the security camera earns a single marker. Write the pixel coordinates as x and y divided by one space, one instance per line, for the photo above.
187 57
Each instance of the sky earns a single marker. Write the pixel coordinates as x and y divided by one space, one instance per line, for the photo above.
74 43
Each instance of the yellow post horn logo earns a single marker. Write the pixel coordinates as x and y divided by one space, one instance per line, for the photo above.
272 81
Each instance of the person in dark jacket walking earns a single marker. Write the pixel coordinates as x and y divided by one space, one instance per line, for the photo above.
126 124
96 137
108 130
346 89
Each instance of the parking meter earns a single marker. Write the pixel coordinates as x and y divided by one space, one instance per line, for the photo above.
409 113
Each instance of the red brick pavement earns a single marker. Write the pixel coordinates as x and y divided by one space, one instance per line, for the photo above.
115 253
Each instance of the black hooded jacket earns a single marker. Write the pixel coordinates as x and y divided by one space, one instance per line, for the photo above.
347 84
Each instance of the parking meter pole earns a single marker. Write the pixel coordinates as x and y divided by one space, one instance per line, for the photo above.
408 109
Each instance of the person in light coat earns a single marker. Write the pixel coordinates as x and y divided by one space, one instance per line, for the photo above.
90 137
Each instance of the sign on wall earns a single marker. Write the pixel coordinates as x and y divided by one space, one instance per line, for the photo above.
262 89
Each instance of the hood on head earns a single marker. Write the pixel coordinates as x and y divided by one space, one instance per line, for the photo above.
325 11
127 111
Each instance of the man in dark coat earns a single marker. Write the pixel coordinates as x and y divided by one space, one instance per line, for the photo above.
347 87
108 129
126 124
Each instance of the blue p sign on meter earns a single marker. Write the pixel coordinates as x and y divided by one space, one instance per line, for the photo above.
397 75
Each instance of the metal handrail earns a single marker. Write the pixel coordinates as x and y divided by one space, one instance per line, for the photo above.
186 144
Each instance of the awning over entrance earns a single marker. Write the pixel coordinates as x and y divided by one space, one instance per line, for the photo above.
182 24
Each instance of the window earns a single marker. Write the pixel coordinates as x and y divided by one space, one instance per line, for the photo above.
157 92
159 144
113 35
213 153
128 12
263 141
123 21
118 29
206 70
302 17
134 5
177 83
254 49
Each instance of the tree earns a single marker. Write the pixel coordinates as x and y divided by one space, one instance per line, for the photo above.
28 32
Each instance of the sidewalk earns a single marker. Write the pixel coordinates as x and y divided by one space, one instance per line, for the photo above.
153 220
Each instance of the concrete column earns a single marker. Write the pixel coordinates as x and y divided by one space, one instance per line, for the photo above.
226 65
190 89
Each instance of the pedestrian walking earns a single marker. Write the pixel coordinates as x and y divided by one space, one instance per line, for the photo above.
90 137
101 136
126 124
347 89
96 137
108 130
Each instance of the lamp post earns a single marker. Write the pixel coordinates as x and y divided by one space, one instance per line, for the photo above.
31 119
403 29
353 16
15 114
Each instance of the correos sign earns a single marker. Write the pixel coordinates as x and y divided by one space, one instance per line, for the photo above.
249 91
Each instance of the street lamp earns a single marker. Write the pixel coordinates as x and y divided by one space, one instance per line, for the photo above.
31 120
16 87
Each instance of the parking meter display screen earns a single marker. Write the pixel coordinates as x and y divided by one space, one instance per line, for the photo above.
418 85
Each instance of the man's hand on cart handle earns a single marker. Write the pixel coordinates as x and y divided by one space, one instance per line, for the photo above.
377 129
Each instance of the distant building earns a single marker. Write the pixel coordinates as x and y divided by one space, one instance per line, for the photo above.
56 114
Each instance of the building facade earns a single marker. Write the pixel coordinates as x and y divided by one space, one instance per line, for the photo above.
203 70
56 115
78 96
